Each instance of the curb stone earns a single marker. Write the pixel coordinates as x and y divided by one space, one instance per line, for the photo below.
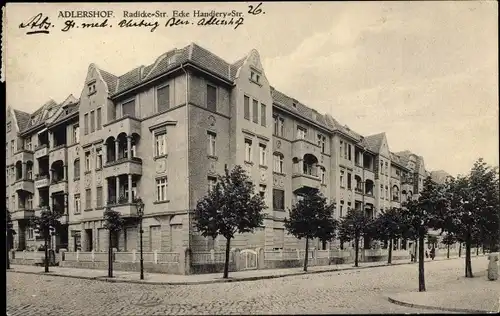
437 308
253 278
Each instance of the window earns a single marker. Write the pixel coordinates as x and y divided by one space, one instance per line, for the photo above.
160 144
349 181
323 176
349 152
98 159
211 143
91 87
99 119
386 168
279 125
301 133
246 108
87 161
341 149
322 142
88 199
262 191
254 76
29 202
342 173
161 189
248 150
211 98
381 167
263 114
30 232
163 98
77 204
255 111
381 191
76 169
386 192
341 208
76 134
29 171
278 199
9 127
128 108
278 162
395 193
211 183
27 143
99 197
86 124
92 121
262 155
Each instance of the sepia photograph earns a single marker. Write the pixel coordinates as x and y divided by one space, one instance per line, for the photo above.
251 158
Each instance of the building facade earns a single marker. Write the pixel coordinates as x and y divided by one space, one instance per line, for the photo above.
163 132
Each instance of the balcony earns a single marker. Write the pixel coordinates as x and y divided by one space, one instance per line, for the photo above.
123 166
58 186
41 151
59 153
127 124
300 180
41 181
301 147
22 213
24 185
123 207
369 198
359 193
23 155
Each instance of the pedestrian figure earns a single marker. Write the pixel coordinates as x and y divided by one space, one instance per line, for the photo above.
412 257
433 253
426 254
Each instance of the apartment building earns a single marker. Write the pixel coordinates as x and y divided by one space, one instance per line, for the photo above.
162 132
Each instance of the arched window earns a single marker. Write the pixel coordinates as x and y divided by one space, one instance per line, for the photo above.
309 165
395 193
76 169
278 161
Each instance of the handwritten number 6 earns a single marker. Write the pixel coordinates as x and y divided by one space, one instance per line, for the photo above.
255 11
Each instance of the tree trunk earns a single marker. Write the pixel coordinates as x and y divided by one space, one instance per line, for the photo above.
307 255
421 272
448 252
389 257
46 261
226 263
477 251
356 251
110 256
460 250
468 264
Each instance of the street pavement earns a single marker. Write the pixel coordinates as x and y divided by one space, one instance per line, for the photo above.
347 292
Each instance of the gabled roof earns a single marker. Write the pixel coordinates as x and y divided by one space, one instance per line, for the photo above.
22 119
374 142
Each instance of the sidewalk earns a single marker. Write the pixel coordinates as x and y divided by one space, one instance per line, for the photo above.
476 295
172 279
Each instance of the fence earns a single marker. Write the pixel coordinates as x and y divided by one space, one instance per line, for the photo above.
210 257
123 257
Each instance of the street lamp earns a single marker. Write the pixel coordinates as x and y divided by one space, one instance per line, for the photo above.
140 212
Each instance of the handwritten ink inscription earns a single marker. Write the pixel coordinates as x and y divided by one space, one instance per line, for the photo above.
40 24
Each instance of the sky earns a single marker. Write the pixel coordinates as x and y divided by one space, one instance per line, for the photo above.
425 73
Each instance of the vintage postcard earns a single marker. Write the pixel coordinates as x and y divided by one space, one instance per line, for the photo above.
251 157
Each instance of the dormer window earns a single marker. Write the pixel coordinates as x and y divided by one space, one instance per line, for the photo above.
294 104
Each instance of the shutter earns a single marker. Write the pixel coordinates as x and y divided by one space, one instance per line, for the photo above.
129 108
176 236
131 239
279 237
155 238
163 98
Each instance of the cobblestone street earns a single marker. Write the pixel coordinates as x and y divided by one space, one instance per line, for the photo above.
355 291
